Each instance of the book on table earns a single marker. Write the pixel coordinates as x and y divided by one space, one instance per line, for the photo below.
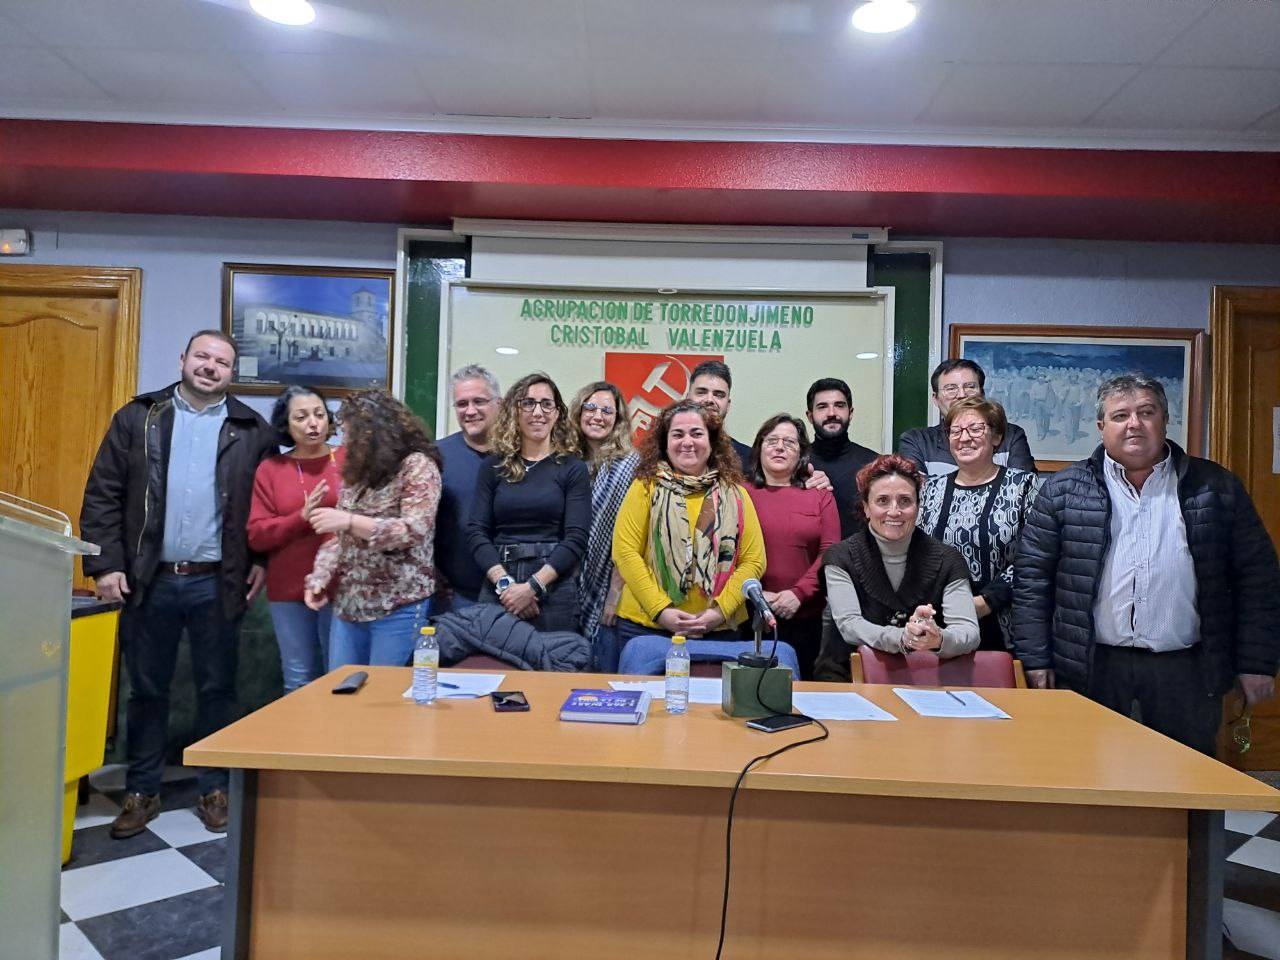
606 706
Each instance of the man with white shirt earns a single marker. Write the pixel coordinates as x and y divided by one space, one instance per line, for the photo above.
1145 576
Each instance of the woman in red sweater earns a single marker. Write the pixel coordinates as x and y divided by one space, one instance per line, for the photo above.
798 526
286 488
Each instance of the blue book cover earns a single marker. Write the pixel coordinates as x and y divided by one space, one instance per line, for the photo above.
606 706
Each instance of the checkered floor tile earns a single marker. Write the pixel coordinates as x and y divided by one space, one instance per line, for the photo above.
158 896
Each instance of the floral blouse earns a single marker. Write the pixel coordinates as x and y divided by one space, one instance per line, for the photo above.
396 565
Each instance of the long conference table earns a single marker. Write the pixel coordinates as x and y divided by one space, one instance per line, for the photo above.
366 827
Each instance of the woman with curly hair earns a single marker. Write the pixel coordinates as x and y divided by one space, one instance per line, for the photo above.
890 585
383 534
531 512
602 430
686 539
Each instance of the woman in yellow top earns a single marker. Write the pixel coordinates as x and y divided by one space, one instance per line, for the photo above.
685 541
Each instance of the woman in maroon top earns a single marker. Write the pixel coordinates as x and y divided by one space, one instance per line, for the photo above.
798 526
286 489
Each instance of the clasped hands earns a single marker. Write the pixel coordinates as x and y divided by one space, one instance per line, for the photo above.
691 624
921 631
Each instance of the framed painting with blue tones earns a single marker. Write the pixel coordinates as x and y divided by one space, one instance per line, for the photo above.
1047 378
325 327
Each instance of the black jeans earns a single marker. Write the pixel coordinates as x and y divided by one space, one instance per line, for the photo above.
149 635
559 611
1169 689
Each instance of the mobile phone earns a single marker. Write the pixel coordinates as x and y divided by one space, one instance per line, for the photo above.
509 701
777 722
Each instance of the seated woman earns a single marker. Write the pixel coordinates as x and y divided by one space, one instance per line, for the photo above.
798 525
286 489
686 539
383 530
531 513
602 430
890 585
980 510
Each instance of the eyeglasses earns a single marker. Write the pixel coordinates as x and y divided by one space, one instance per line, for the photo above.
529 404
952 389
786 443
479 403
1241 731
977 431
599 408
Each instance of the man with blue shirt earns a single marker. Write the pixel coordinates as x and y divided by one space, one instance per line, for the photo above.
167 500
476 401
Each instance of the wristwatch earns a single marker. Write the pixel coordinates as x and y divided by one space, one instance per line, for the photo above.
503 582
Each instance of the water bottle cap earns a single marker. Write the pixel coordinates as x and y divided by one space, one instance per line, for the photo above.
678 638
428 631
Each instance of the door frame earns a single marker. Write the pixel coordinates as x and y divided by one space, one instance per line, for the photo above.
1229 307
125 283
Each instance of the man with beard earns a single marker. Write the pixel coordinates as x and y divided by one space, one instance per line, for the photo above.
167 500
830 410
476 401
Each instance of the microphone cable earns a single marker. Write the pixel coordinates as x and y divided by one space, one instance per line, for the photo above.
733 795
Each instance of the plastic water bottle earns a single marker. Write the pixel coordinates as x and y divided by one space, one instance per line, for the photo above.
426 666
677 685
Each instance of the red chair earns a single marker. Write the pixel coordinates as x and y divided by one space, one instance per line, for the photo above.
982 668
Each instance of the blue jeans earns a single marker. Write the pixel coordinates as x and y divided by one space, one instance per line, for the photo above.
303 636
385 642
645 650
149 636
606 648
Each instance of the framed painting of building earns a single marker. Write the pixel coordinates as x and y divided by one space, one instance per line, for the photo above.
1047 378
325 327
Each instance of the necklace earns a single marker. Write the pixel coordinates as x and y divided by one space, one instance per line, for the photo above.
333 462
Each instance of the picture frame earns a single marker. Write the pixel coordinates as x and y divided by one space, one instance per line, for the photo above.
326 327
1047 376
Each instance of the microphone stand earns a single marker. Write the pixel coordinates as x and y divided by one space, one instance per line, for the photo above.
755 679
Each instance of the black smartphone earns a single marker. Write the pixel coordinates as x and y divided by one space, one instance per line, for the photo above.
509 701
778 722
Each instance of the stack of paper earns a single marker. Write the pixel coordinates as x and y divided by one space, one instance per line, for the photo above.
838 706
950 703
464 686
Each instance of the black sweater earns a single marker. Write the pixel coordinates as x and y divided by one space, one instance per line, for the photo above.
552 504
841 459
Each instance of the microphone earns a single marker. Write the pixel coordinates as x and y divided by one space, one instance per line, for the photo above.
754 592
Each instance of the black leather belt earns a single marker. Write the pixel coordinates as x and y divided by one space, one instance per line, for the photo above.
189 568
513 552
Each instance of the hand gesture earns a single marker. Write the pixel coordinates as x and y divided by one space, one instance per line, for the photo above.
520 601
314 499
314 599
921 631
330 520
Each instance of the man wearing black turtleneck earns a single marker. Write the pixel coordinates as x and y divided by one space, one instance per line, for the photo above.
830 408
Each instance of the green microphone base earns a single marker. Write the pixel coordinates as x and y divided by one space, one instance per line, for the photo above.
739 686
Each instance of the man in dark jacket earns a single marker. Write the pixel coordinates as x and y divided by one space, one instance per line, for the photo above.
1146 576
167 500
929 446
829 405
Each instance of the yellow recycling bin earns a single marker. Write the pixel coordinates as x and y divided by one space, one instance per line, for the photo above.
93 652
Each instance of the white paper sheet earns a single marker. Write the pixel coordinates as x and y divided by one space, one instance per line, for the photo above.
465 686
838 706
950 703
701 689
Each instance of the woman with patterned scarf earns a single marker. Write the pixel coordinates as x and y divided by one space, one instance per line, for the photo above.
602 430
685 541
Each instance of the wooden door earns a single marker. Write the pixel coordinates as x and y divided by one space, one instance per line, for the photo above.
1245 416
69 355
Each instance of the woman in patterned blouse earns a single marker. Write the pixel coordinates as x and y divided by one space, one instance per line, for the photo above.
383 534
980 510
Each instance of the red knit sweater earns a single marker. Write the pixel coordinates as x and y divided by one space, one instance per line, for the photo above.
798 526
276 527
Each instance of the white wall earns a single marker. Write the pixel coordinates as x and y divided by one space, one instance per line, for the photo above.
181 260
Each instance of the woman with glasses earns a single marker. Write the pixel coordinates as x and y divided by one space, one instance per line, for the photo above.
531 513
602 430
378 566
686 539
286 489
980 510
798 526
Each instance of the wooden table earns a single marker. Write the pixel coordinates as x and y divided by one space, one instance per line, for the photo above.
368 827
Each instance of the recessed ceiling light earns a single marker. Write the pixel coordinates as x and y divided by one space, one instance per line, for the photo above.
292 13
866 356
883 16
506 351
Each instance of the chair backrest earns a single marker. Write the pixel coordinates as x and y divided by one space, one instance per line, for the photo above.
983 668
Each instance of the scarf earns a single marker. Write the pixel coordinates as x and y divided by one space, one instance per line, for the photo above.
608 489
679 559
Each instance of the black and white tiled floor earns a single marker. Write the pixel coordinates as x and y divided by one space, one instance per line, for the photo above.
158 896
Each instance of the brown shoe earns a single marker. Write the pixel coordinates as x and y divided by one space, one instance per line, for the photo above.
138 811
212 811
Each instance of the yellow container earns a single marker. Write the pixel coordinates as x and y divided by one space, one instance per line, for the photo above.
93 651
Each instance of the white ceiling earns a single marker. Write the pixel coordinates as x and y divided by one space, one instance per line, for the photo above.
1160 73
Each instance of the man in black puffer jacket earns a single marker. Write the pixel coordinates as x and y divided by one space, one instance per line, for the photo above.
1145 575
